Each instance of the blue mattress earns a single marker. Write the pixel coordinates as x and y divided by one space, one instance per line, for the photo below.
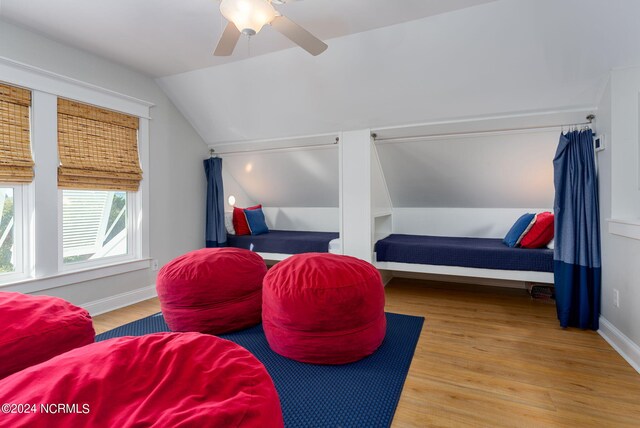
482 253
284 242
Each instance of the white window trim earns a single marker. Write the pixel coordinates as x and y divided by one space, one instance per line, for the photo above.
33 285
45 86
133 239
21 233
37 79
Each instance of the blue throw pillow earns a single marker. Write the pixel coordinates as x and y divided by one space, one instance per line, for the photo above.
256 222
519 228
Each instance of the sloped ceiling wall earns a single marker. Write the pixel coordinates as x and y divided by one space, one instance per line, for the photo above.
488 171
504 56
292 178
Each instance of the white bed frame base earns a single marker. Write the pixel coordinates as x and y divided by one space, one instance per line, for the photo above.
277 257
509 275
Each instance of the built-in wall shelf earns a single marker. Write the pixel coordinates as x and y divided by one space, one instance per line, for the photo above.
629 228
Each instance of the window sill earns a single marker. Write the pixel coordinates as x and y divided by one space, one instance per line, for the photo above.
629 228
32 285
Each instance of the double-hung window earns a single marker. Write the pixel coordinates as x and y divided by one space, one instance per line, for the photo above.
99 176
16 173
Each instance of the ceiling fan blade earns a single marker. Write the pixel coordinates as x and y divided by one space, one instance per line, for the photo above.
299 35
228 40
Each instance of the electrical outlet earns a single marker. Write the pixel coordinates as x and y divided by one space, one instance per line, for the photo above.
154 264
616 298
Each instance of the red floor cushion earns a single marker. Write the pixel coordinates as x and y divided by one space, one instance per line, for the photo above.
36 328
157 380
212 290
323 308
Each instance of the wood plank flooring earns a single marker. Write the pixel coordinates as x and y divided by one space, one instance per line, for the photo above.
492 357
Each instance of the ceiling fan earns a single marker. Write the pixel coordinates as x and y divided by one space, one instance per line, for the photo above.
249 16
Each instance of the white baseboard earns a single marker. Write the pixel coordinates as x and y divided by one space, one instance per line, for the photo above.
118 301
621 343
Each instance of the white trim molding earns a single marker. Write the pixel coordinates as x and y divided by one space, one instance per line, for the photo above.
621 343
34 285
35 78
121 300
629 228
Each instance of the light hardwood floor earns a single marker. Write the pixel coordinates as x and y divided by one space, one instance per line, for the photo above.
492 357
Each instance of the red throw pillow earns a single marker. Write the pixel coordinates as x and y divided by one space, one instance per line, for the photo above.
240 221
541 233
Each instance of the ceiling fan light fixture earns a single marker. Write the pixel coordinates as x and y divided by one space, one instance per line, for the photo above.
249 16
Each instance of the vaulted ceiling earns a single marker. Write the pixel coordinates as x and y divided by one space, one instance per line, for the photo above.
389 63
163 37
503 57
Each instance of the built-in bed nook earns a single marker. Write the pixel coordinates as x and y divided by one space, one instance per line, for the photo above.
295 184
436 212
463 256
430 210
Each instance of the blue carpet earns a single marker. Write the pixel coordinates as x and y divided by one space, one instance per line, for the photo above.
360 394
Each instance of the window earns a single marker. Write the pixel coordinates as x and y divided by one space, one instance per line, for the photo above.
94 225
7 231
81 216
16 172
12 234
99 176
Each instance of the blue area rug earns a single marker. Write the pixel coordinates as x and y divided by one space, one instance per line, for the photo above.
360 394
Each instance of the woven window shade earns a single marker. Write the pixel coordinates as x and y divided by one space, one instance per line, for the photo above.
98 148
16 162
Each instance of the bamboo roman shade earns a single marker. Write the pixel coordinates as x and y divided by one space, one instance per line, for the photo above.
98 148
16 162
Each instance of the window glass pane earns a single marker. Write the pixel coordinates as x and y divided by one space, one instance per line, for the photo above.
7 238
94 224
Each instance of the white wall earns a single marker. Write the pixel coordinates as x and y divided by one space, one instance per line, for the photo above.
301 177
232 188
177 183
313 219
357 223
618 120
625 180
499 170
298 188
470 222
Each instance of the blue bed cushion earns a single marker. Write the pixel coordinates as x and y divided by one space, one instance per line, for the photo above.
518 229
484 253
284 242
256 221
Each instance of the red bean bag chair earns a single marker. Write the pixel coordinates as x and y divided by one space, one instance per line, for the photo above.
323 308
212 290
157 380
36 328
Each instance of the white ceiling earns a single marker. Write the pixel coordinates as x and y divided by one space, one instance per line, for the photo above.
164 37
503 57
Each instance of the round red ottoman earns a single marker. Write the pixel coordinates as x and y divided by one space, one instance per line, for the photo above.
212 290
323 308
157 380
36 328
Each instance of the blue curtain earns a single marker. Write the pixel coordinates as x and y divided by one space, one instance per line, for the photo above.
577 267
215 234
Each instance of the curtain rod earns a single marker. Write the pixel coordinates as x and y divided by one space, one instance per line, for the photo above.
272 149
589 118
